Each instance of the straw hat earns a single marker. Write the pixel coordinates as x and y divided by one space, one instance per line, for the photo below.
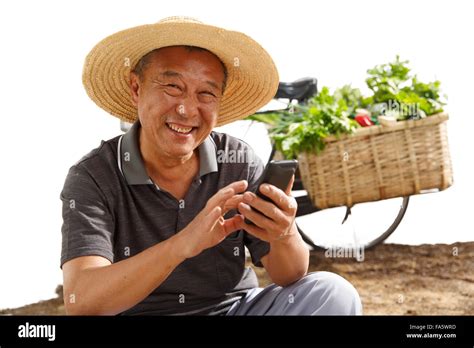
252 78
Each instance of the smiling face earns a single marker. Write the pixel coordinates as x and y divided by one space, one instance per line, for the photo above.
177 94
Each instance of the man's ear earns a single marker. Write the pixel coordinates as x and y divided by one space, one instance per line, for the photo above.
134 88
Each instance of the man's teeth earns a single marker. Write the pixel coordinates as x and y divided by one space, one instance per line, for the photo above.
180 129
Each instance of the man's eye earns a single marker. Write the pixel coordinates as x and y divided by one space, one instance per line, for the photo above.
208 97
173 90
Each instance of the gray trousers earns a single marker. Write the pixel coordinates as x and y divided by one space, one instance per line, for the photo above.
318 293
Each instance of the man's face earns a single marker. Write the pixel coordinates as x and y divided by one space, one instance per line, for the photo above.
178 99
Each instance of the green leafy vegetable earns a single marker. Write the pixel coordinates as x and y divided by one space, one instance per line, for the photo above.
393 85
394 92
306 128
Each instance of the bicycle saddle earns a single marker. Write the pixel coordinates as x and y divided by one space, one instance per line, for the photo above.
301 89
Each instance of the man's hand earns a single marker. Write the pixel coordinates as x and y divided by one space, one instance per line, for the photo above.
278 221
209 227
288 258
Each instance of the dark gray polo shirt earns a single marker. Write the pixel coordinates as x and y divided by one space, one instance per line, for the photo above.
112 208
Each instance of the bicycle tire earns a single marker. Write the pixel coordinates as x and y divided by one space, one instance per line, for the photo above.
404 206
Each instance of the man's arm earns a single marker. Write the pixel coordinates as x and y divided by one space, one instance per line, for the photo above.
93 285
288 259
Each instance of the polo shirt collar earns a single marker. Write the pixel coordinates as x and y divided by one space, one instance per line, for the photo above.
130 161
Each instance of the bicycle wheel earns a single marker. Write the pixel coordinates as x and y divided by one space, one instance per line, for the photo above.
367 225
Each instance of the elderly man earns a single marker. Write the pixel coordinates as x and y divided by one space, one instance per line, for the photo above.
153 222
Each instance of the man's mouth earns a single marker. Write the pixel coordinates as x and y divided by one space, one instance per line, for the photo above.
180 128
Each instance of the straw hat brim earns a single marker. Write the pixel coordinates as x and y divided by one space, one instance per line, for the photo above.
252 78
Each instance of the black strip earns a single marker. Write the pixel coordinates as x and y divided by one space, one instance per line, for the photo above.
289 331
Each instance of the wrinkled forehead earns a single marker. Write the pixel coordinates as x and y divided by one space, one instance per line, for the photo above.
174 54
173 51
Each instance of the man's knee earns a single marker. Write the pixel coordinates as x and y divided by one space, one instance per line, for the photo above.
334 294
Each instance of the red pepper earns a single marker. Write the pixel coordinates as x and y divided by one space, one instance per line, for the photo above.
364 120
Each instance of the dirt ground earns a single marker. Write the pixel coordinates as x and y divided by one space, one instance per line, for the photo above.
392 279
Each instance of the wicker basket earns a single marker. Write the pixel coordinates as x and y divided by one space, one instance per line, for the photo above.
379 162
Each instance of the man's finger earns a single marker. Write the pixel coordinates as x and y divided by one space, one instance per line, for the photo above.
237 186
290 185
233 224
257 218
279 197
268 209
225 193
254 230
212 218
232 203
219 199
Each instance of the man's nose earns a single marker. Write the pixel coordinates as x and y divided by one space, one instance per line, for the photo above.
188 107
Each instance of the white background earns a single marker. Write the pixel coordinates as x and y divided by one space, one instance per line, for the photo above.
48 122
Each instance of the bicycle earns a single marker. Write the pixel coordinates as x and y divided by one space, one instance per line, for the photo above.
300 91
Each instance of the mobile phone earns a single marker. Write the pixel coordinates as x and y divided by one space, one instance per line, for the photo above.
276 173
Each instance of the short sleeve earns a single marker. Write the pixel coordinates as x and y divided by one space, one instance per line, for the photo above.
256 246
88 225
